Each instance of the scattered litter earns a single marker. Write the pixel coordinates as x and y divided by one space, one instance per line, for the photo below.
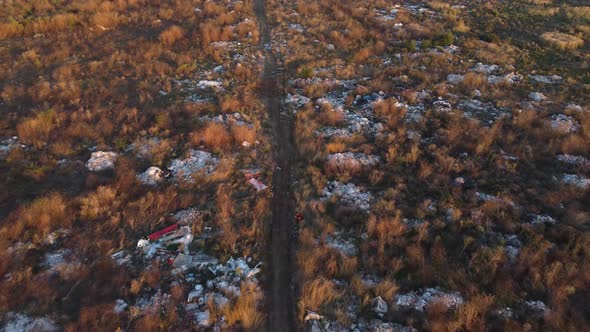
352 161
188 216
538 308
379 306
196 161
257 184
205 84
348 194
120 306
419 300
8 145
152 176
17 322
573 160
313 316
121 257
537 219
345 246
576 180
101 161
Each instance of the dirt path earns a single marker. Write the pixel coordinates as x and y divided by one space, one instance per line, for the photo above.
280 256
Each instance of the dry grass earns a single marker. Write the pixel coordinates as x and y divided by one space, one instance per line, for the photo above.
171 35
243 134
562 41
316 294
245 311
213 135
43 215
36 130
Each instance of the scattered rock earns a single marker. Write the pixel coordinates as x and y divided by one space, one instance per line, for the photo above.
454 78
345 246
485 69
538 308
537 96
8 145
101 161
419 300
574 160
564 124
537 219
379 306
152 176
510 78
553 79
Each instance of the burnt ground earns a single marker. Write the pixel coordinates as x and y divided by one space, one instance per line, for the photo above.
280 242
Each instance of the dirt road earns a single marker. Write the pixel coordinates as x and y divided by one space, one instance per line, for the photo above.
280 256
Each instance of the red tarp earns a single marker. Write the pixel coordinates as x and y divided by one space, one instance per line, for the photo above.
158 234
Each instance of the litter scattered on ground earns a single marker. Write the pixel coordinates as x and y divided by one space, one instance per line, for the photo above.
188 216
574 160
231 118
152 176
257 184
348 194
122 257
196 161
169 236
120 306
538 308
576 180
343 245
297 100
8 145
354 124
537 219
101 161
379 306
419 300
17 322
352 161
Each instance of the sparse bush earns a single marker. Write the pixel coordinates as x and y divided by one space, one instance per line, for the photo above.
562 41
36 130
171 35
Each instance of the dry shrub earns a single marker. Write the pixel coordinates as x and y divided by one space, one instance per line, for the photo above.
386 289
386 230
12 29
171 35
243 133
331 117
562 41
471 316
98 203
45 214
36 130
244 311
213 135
316 294
107 20
390 112
472 81
362 55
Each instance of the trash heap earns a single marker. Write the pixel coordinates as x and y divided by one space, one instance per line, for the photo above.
196 161
348 194
420 300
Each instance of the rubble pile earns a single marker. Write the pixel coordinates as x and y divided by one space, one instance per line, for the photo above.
485 112
196 161
419 300
348 194
101 161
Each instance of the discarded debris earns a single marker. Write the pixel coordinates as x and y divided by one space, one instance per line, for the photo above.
101 161
257 184
379 306
196 161
313 316
120 306
349 194
564 124
17 322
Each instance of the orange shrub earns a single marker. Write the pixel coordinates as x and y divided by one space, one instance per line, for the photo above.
171 35
214 136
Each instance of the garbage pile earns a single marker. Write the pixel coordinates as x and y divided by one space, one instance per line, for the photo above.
348 194
196 161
